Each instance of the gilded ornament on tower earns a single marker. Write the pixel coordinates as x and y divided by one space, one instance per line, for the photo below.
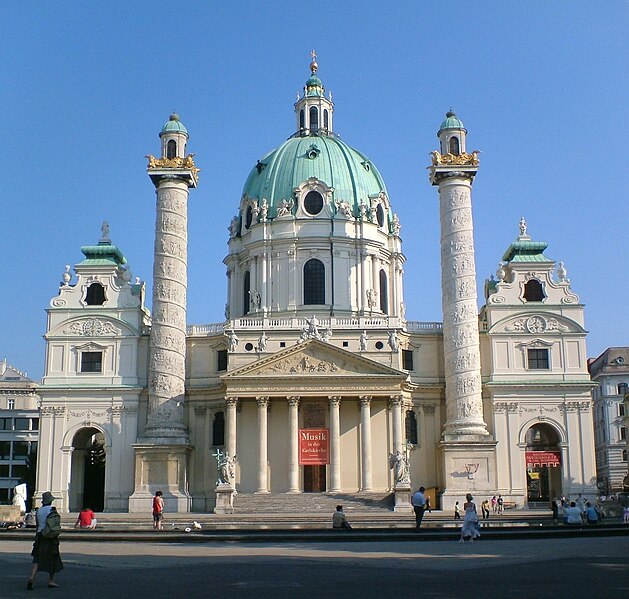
176 162
463 159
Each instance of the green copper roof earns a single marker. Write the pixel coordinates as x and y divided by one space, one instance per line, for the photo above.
314 86
348 171
174 125
105 253
526 251
451 122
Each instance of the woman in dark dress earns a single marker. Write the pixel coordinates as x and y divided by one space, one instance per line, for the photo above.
45 552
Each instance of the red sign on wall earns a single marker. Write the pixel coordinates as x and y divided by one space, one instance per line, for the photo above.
314 446
543 458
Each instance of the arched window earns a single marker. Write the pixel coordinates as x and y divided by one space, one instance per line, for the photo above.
218 430
302 119
95 295
534 291
171 149
248 217
326 120
454 146
384 293
542 437
314 282
314 118
411 427
246 288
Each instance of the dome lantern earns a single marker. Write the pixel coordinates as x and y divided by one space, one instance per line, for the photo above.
313 110
174 136
452 134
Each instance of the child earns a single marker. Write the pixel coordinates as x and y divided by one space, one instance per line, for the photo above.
457 511
625 515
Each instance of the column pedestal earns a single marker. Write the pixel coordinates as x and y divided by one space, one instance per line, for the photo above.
402 495
161 468
469 466
224 499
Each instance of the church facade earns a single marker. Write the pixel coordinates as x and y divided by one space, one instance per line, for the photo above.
315 378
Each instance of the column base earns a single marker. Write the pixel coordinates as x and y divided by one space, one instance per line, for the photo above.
162 468
402 494
466 466
224 499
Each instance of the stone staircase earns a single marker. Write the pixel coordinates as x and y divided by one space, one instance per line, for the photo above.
312 503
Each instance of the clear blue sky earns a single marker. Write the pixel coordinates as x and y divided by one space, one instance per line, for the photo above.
85 88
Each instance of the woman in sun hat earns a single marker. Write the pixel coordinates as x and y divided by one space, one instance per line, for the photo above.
45 552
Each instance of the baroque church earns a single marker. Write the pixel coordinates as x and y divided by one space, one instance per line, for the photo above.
315 380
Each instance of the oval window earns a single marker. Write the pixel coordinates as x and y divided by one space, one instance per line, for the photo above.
313 203
380 215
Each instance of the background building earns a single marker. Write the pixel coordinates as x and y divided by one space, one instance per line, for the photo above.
315 376
19 430
610 372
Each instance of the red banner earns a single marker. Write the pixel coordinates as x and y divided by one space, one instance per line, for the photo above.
543 458
314 446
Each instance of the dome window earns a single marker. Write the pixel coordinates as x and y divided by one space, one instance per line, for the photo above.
366 166
380 215
95 295
171 149
384 293
326 120
314 283
313 151
454 147
314 118
534 291
246 288
313 203
248 217
302 119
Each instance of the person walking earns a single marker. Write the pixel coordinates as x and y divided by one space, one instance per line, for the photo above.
457 511
484 507
470 520
494 504
501 503
418 502
46 556
158 510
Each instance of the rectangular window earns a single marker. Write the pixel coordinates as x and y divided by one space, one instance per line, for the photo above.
221 356
92 361
20 449
407 359
5 450
19 470
538 359
6 424
34 424
22 424
623 433
10 404
4 470
621 410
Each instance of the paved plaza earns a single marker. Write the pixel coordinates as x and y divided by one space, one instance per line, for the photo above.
547 567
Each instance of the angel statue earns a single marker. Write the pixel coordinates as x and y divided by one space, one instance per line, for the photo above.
226 467
399 463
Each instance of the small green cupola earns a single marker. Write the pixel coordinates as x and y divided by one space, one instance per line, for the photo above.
314 112
452 134
104 253
523 249
174 136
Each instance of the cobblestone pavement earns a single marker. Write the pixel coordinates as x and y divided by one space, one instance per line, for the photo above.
540 568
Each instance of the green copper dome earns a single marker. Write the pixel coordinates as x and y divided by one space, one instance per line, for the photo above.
451 122
174 125
332 161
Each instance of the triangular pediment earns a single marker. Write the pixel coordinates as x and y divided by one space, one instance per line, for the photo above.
315 358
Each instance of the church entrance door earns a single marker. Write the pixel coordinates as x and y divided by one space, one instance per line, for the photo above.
315 479
87 479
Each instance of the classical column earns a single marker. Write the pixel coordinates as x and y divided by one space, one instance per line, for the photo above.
230 421
335 444
365 442
396 415
464 406
293 445
263 404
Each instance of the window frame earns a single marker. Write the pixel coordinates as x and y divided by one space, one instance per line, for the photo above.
533 361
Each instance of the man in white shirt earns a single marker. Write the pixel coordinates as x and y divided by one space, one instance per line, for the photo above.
418 502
